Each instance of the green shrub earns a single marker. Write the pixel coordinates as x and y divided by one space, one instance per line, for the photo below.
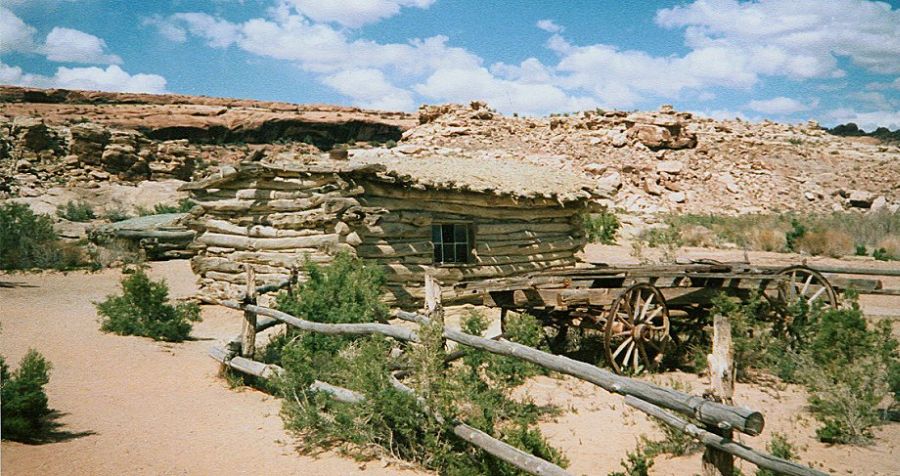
638 463
116 215
882 254
142 310
780 447
76 211
390 144
849 368
28 241
797 231
389 421
861 250
602 227
25 411
184 205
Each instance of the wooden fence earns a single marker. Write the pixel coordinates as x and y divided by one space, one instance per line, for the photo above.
715 412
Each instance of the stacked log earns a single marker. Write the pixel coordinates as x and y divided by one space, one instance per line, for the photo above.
273 221
511 236
274 218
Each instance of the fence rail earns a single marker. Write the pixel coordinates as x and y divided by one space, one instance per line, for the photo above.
652 399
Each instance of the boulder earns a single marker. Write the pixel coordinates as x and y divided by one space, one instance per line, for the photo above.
677 197
88 142
861 199
878 203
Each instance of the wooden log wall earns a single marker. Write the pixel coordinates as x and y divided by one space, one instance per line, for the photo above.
272 220
271 223
511 237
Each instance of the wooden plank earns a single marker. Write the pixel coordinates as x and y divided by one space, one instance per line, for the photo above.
716 462
248 332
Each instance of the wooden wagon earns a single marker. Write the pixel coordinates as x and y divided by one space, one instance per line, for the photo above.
634 307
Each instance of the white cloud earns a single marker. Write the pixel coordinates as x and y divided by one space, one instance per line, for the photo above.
779 105
354 13
868 121
65 45
895 84
166 28
549 26
369 88
875 100
15 34
799 38
112 78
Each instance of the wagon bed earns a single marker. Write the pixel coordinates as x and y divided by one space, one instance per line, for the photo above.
634 306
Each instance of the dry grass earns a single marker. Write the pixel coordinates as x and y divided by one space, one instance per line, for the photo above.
834 243
767 239
891 244
698 235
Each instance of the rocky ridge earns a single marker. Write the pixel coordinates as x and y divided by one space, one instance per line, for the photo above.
675 161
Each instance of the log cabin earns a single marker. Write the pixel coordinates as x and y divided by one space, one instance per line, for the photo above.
458 217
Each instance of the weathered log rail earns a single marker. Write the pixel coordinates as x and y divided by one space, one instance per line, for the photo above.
646 397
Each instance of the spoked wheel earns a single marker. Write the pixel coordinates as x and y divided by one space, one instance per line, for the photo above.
802 284
637 329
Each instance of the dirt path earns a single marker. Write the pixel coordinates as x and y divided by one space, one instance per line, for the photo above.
152 408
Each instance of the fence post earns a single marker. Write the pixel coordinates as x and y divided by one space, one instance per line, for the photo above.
248 333
433 307
721 376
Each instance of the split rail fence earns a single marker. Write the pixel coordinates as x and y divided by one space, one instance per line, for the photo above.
715 413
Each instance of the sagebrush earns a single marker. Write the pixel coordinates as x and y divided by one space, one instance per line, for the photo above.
143 310
602 227
78 211
418 429
27 241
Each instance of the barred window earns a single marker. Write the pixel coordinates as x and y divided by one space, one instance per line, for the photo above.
452 242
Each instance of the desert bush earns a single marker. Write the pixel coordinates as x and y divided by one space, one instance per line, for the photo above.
116 214
143 310
637 463
183 206
849 368
777 232
389 421
25 411
76 211
697 235
780 447
602 227
834 243
390 144
28 241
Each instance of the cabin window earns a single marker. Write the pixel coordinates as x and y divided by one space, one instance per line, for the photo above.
452 242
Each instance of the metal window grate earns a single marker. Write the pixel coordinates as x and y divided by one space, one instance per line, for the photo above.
452 242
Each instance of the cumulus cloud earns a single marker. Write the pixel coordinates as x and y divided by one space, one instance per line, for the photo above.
112 78
549 26
730 45
800 38
65 45
370 88
868 121
15 34
779 105
354 13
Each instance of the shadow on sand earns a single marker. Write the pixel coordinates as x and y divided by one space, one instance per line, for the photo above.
51 431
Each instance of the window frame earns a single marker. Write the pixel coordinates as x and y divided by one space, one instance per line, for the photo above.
438 232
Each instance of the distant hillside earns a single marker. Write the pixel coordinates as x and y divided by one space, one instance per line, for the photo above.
850 129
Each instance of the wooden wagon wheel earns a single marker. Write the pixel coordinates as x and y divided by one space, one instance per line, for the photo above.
802 284
637 329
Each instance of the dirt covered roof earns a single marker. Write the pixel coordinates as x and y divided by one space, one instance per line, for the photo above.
429 170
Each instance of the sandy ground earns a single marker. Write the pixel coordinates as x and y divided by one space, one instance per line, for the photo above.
135 406
150 408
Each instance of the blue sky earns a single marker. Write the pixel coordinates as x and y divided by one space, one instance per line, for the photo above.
790 60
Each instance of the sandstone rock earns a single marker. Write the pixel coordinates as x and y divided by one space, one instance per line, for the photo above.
612 181
677 197
650 135
673 167
88 142
861 199
595 168
617 138
650 186
878 203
